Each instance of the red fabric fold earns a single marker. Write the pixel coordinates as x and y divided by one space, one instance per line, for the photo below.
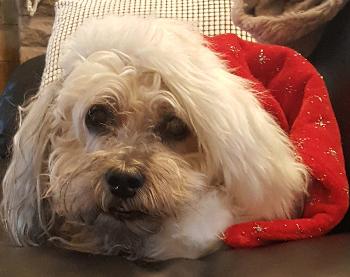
294 93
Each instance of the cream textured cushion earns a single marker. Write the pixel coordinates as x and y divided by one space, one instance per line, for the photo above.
211 16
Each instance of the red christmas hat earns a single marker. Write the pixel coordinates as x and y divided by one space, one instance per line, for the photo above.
295 94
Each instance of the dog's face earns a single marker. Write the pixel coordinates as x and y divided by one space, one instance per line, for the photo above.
145 120
122 146
121 143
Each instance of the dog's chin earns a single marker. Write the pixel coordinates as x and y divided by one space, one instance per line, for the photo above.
116 231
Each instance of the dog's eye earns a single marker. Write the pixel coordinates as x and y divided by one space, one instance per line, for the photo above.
172 128
98 118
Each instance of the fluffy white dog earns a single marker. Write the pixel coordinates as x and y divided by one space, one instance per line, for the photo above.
147 146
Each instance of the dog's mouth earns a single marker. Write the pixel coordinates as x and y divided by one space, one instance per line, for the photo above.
122 214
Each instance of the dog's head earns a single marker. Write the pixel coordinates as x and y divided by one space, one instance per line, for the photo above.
145 119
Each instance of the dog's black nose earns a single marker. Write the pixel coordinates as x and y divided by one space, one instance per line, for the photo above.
124 184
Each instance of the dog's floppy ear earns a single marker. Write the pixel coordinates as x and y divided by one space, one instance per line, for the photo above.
22 208
239 138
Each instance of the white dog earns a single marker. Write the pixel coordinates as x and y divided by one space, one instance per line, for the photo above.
147 146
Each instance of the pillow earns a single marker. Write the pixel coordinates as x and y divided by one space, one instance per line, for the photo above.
211 17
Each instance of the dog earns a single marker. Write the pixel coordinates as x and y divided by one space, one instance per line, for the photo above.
148 146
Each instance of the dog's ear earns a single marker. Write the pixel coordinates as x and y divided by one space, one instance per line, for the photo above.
22 209
240 140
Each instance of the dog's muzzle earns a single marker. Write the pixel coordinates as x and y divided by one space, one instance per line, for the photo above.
124 184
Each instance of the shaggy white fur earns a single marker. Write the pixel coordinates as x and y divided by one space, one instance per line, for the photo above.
235 163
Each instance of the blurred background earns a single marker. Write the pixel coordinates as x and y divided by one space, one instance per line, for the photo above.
21 36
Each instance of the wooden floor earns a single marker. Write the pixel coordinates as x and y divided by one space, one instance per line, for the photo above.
8 40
